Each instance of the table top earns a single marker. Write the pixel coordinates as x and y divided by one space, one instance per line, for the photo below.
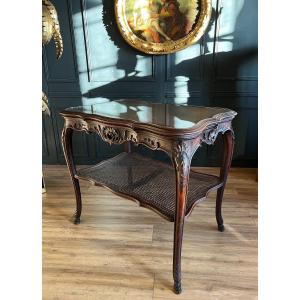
169 116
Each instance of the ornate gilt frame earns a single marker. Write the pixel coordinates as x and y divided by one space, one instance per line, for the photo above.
167 46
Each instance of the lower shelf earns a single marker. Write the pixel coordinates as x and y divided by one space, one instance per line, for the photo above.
148 182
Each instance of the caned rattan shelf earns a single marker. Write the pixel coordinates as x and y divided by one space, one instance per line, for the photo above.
149 182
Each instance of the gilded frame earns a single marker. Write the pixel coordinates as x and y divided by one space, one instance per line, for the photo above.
168 46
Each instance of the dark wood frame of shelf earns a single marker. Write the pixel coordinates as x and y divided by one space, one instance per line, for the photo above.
179 144
140 199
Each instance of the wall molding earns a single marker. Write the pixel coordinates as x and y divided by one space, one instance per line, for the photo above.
169 67
89 59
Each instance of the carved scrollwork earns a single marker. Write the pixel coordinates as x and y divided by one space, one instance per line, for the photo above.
131 136
150 142
210 135
110 134
79 125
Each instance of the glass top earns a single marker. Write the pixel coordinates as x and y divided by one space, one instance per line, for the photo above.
168 115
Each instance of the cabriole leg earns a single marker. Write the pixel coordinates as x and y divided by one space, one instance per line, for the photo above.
66 137
227 158
181 161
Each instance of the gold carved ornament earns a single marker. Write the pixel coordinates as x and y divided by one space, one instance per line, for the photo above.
155 18
50 29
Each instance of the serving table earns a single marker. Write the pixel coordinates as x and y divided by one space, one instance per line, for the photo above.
178 130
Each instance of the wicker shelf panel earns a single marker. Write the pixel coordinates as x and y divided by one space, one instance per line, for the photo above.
147 181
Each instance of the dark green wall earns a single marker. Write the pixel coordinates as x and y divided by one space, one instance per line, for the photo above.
219 70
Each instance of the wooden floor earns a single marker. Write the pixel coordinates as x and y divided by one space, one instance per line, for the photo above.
122 251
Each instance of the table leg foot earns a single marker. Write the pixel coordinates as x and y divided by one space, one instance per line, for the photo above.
221 227
177 288
77 220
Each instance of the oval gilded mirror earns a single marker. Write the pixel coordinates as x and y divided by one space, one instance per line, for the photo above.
162 26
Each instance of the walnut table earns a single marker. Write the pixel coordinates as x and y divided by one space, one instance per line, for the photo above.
178 130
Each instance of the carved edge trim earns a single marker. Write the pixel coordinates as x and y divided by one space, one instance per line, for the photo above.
188 133
110 134
116 134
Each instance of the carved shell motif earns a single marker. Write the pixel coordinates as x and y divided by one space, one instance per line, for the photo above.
50 27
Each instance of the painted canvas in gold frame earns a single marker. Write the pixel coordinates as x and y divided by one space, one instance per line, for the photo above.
162 26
